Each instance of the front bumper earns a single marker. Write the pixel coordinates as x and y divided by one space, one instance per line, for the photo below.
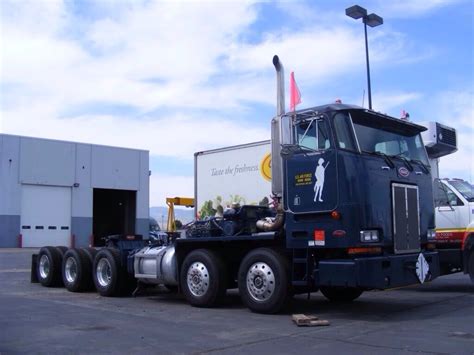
375 272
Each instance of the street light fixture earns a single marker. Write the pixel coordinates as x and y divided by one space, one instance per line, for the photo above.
372 20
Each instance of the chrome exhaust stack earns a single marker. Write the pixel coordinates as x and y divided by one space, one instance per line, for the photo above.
280 76
279 134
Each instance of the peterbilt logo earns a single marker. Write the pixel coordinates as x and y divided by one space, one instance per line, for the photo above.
403 172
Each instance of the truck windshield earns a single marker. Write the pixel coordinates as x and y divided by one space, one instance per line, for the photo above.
393 143
464 189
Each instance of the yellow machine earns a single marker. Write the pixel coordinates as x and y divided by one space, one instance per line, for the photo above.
176 201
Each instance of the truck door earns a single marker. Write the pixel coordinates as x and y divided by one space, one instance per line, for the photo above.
311 172
449 210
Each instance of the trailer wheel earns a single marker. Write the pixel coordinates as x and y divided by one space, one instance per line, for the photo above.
341 294
203 278
109 277
77 270
263 281
48 268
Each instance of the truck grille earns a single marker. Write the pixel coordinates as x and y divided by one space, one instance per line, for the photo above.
406 222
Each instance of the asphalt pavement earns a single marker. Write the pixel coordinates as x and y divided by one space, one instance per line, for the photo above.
434 318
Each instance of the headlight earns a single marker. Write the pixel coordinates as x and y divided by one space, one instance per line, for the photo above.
431 234
369 236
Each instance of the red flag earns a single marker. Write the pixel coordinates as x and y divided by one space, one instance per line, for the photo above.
295 96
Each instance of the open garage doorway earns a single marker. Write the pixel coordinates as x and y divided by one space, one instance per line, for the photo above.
114 212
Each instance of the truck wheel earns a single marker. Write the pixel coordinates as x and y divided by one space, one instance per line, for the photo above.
48 267
62 250
203 278
263 281
91 253
341 294
470 265
77 270
109 277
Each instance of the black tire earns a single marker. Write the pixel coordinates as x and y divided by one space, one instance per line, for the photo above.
77 271
264 281
110 277
62 250
470 265
203 278
341 294
91 253
48 268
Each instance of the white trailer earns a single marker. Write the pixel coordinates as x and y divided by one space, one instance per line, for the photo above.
238 174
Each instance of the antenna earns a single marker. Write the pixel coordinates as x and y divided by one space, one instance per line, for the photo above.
363 97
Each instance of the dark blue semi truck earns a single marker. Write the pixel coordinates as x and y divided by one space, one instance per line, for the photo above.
353 211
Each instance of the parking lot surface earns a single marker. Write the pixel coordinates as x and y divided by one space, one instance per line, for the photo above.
435 318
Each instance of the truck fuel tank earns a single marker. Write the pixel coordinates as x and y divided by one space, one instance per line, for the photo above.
156 265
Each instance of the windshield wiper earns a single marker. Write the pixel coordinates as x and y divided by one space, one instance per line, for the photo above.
385 157
405 160
423 165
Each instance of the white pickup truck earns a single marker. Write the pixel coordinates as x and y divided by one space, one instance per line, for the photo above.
454 203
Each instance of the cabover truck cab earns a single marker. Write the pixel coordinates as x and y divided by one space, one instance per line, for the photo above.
352 209
454 203
353 213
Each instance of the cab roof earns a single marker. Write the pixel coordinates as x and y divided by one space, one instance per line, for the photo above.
363 115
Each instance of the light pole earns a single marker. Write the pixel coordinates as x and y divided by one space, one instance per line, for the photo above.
373 20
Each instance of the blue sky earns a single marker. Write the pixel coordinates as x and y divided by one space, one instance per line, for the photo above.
179 77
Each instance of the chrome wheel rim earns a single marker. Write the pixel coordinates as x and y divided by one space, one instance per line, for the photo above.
44 266
70 270
260 282
104 272
198 279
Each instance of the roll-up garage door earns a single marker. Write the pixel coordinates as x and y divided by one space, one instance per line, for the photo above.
45 215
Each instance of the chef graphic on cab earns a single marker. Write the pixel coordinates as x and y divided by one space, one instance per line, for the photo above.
319 184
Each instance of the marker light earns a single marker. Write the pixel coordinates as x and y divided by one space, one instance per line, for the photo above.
319 237
369 236
431 234
335 215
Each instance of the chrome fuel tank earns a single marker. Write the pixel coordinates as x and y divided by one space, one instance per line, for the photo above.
156 265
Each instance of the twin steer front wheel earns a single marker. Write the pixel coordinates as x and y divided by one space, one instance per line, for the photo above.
262 278
263 281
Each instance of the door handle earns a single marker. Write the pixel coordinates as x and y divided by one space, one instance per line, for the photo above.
385 168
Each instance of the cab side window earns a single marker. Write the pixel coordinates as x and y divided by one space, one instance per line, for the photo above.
313 135
344 134
444 196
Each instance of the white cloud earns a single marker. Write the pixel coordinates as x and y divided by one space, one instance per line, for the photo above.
392 102
173 136
163 186
160 57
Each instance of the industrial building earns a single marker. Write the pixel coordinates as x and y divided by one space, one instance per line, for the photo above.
72 194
